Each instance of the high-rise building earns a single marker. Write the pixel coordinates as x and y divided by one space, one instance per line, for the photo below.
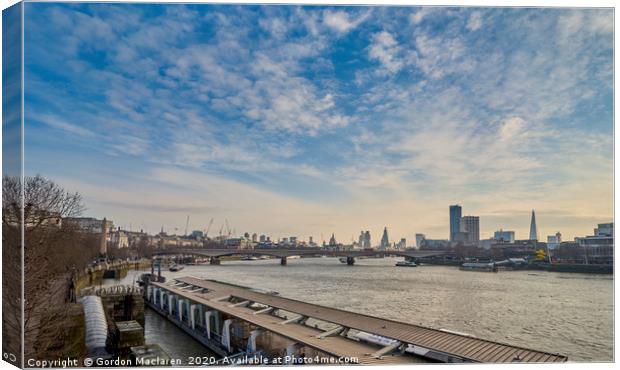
262 238
533 231
471 225
418 239
367 244
455 221
361 239
385 241
402 245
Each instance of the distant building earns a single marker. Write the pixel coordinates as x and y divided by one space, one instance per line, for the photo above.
461 237
366 244
262 239
254 238
598 248
426 244
554 240
486 243
196 234
385 241
471 225
310 241
604 229
455 221
418 239
332 241
118 239
502 236
533 229
402 244
90 224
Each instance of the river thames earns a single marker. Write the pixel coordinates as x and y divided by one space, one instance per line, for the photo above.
571 314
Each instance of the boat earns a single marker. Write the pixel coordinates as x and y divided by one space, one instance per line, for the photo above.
477 266
249 258
406 264
175 268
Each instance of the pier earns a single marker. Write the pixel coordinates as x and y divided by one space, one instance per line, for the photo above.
230 319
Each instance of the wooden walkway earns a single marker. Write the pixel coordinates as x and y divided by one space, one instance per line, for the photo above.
440 345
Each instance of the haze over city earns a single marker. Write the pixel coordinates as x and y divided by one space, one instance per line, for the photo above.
309 121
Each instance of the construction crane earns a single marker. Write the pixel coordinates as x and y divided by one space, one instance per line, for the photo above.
186 225
208 227
228 231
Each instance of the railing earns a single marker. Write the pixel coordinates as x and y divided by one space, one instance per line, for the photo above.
111 290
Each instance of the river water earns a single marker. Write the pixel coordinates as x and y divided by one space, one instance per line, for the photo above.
571 314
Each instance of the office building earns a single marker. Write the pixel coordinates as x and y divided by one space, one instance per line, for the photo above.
418 239
471 225
502 236
604 229
554 240
455 221
367 244
385 241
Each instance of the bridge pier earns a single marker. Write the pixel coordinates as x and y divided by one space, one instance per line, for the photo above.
283 261
350 261
214 261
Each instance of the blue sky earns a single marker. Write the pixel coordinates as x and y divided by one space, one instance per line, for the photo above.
303 121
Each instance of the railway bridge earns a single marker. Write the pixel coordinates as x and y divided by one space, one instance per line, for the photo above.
350 255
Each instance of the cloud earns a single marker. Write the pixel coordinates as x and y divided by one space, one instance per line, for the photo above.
63 125
385 49
341 21
417 17
475 21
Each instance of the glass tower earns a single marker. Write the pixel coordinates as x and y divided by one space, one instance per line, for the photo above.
455 221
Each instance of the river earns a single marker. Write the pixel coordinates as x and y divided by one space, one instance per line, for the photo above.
571 314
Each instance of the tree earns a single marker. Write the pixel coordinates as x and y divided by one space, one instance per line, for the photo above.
52 252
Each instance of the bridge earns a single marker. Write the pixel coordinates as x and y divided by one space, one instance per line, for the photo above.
230 319
215 254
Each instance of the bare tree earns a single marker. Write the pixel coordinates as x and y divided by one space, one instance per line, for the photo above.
52 251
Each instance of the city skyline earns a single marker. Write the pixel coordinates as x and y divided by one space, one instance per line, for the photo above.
318 120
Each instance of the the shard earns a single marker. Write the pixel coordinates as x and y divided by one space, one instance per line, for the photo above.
533 231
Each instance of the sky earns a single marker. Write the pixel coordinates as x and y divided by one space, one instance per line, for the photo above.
308 121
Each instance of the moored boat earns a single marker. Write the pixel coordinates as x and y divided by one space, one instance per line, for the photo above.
477 266
175 268
406 264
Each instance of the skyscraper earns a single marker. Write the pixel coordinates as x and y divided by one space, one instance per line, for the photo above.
533 230
385 242
471 225
455 221
367 244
